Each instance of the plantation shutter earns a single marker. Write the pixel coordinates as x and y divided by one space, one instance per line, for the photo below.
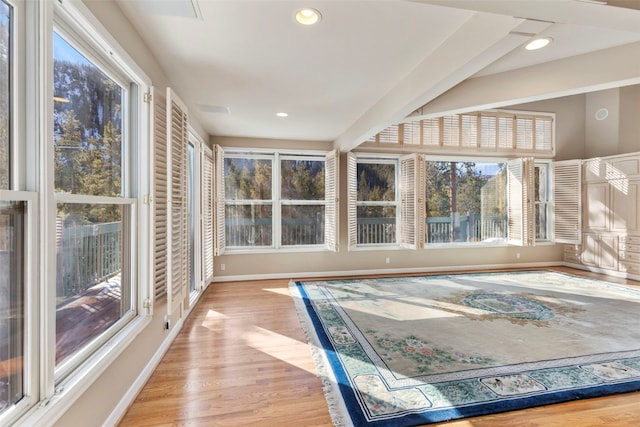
451 131
524 133
469 130
431 132
544 133
520 188
488 131
410 201
505 132
178 139
219 208
352 196
160 191
331 191
567 201
207 215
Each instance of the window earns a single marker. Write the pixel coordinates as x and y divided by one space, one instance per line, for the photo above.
373 204
465 202
6 53
494 130
542 208
12 303
94 220
278 200
249 201
302 200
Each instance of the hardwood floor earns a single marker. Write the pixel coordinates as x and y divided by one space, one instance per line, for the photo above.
242 359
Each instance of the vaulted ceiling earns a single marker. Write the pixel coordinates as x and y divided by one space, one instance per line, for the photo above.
369 64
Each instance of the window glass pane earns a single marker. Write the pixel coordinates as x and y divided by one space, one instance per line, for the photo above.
541 193
248 225
247 179
302 179
87 117
191 171
376 182
92 290
12 328
303 225
466 202
376 224
5 94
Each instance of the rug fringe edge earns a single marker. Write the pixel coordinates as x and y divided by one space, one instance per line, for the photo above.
337 409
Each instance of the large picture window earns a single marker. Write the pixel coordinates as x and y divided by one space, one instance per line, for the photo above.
465 202
279 200
93 249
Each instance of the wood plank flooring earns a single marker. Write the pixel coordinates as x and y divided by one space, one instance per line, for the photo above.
242 359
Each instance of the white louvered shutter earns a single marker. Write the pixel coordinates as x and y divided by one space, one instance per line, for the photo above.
207 215
411 233
332 203
389 135
524 133
567 201
160 194
219 207
431 132
488 132
520 188
178 140
352 196
544 134
469 130
505 132
451 131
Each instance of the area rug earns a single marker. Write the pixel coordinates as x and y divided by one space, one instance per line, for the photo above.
405 351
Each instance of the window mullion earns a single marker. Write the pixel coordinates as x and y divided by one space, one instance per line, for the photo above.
276 206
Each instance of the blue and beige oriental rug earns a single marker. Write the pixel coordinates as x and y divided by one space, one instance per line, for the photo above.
403 351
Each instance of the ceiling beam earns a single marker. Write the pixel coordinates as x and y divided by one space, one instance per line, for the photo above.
477 43
604 69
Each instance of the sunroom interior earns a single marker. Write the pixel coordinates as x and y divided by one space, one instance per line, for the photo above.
149 149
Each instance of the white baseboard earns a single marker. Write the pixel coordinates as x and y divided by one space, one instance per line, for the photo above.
128 398
614 273
304 275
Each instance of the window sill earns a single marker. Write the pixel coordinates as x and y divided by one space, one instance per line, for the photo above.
284 250
47 412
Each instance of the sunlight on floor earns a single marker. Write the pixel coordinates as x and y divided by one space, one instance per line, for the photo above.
281 347
281 291
213 320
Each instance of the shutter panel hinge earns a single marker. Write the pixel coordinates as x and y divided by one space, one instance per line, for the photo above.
148 97
147 199
146 303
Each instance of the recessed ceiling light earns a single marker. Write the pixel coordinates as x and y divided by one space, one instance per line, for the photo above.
538 43
282 114
308 16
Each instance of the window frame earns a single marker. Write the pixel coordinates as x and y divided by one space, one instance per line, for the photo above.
461 159
60 389
276 202
353 204
548 202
